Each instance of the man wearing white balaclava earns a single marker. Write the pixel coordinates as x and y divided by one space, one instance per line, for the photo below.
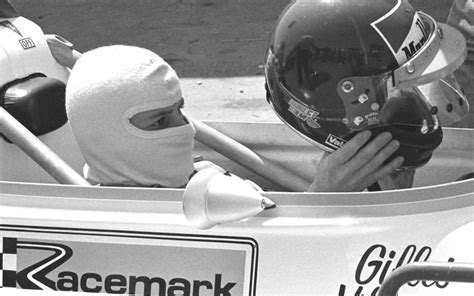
107 87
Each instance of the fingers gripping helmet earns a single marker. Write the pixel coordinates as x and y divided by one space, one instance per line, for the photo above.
337 67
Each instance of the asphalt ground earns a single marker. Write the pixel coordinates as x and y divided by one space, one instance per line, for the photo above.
217 47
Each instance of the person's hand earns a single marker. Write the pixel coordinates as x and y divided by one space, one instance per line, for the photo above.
356 165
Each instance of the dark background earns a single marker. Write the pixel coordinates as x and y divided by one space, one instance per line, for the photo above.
199 38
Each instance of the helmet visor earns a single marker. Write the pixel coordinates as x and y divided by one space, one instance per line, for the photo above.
430 71
447 98
426 75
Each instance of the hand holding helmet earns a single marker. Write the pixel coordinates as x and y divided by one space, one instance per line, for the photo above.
337 68
357 164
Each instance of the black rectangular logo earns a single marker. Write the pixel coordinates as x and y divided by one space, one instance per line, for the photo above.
27 43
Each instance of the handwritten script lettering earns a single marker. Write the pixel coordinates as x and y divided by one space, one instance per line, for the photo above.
377 261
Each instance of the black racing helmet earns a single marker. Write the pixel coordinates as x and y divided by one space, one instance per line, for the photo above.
337 67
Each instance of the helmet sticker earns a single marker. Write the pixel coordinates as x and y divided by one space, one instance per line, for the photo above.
304 113
401 43
372 118
334 141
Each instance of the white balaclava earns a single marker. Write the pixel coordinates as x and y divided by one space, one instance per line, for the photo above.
109 85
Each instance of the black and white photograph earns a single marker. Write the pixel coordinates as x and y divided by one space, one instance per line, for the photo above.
237 147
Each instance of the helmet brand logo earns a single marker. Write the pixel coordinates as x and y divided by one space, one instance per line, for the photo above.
334 141
403 42
412 48
304 113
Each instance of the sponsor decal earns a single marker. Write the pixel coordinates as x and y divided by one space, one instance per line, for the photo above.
414 45
403 44
27 43
372 118
129 263
304 113
334 141
9 25
378 261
